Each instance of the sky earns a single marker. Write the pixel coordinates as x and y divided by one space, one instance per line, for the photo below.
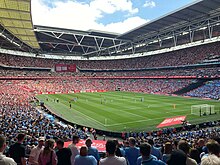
117 16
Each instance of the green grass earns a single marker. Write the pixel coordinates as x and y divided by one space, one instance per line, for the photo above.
124 111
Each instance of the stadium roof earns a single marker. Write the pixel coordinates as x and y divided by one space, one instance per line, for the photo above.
187 24
15 17
194 16
186 15
56 40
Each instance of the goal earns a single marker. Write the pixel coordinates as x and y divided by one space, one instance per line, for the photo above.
202 109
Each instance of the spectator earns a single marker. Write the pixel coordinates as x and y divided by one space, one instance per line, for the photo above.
3 159
194 154
63 154
213 148
210 160
17 150
177 157
167 151
154 150
92 150
146 157
201 145
48 155
84 158
132 152
184 146
119 151
73 148
35 152
111 159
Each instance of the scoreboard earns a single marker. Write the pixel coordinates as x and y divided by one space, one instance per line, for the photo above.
65 67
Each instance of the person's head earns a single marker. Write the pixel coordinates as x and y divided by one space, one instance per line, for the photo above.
60 144
20 137
201 142
131 141
168 148
184 146
151 142
2 143
75 139
194 154
116 142
83 151
110 147
210 160
126 143
41 141
177 157
88 142
145 149
213 147
49 144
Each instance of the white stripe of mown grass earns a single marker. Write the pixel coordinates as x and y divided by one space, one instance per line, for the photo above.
88 117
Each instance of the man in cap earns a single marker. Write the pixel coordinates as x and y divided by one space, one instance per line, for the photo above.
35 152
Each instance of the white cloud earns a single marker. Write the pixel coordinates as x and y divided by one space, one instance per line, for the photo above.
84 16
111 6
150 4
126 25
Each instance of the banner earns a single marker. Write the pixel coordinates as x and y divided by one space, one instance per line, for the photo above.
172 121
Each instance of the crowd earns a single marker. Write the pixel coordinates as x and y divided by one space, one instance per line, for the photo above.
26 89
198 72
210 90
192 147
193 55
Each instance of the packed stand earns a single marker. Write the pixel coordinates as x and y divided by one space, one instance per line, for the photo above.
210 90
198 72
26 89
168 146
193 55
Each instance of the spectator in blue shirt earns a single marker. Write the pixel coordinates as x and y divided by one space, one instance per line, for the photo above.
84 159
92 150
146 158
132 152
154 150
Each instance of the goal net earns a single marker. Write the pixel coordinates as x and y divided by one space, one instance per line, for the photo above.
202 109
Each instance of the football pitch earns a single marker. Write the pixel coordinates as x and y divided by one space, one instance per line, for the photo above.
124 111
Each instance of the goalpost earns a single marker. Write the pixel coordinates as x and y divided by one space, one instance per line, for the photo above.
202 109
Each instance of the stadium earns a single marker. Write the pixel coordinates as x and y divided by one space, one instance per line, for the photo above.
159 81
